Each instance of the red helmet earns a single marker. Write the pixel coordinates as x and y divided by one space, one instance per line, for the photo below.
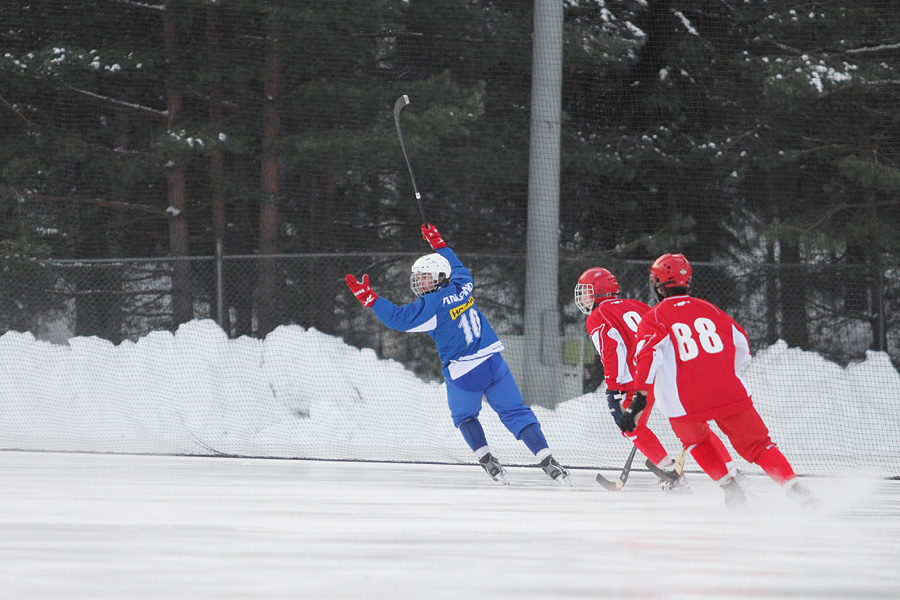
670 271
594 285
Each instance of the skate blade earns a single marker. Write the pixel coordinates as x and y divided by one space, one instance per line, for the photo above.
678 491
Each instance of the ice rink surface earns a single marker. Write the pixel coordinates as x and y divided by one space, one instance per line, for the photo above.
126 527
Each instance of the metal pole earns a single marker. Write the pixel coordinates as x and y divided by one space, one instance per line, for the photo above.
543 344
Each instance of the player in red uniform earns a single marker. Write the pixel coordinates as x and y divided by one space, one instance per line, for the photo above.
611 324
690 352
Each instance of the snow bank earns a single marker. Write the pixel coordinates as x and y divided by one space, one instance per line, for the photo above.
301 393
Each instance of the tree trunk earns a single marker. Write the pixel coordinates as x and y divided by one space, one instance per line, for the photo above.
772 279
856 282
874 273
268 213
242 273
319 291
179 245
872 246
217 159
793 296
771 294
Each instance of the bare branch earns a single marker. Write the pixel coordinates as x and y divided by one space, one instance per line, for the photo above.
98 202
830 213
785 47
122 105
18 114
622 249
108 292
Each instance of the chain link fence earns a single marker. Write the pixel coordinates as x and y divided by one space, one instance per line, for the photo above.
838 311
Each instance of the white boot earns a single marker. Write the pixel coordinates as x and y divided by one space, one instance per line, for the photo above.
800 494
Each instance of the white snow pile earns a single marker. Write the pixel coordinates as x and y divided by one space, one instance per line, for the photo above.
301 393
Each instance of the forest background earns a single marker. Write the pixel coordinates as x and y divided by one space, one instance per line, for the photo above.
233 159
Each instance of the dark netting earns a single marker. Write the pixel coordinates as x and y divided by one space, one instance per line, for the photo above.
194 179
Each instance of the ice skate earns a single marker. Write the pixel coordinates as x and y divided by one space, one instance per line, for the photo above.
742 480
735 498
493 468
555 471
801 495
674 483
670 480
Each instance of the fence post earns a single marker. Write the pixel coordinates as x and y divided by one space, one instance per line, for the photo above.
220 287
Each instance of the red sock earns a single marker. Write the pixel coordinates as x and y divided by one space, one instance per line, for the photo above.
720 447
710 460
649 445
775 464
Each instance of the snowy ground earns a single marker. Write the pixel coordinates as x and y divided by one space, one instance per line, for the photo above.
118 526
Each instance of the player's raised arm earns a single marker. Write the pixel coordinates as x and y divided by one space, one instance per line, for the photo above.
362 291
461 274
434 238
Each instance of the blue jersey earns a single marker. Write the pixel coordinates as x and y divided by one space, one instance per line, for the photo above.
450 316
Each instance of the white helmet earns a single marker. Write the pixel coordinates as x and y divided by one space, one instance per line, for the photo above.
428 273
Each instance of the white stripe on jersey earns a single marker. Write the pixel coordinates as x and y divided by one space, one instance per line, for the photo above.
741 355
741 349
428 325
595 337
666 376
464 364
624 375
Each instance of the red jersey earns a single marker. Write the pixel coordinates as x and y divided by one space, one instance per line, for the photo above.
612 327
691 352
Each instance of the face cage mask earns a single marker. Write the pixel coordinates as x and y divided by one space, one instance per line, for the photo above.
427 285
584 297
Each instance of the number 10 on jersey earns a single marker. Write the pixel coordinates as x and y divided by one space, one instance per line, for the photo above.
470 323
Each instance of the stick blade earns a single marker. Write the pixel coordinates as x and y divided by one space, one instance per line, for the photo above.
613 486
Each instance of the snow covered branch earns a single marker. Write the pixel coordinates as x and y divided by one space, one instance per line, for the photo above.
141 6
875 49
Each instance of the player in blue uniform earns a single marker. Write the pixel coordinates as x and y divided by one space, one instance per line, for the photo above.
469 350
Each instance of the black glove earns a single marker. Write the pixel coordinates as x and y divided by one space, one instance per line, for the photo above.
631 414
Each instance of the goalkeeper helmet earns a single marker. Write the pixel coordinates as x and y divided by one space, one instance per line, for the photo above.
670 274
594 285
429 273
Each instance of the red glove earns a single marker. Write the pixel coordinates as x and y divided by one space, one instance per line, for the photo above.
433 237
361 290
